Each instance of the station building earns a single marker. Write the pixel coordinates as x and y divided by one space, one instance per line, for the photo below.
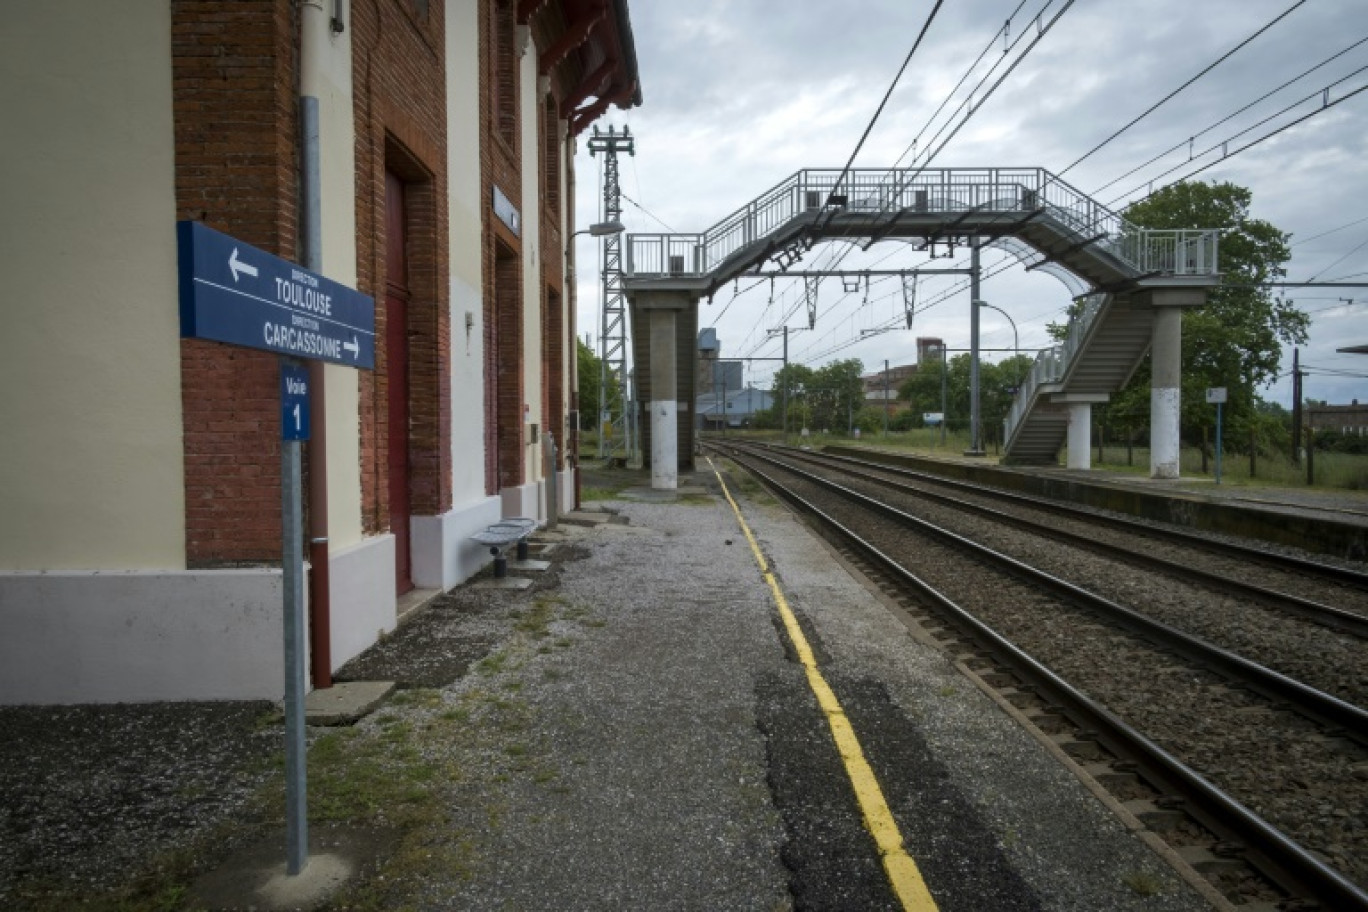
140 473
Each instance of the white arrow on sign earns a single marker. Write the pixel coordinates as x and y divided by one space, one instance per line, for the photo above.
235 266
352 347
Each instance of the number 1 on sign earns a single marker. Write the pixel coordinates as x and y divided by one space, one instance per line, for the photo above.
294 402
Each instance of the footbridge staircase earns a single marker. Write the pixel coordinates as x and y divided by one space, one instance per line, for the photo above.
1119 273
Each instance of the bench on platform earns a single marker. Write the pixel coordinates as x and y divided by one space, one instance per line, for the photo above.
502 534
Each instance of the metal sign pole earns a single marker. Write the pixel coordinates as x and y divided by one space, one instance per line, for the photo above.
294 430
1216 395
1218 443
234 293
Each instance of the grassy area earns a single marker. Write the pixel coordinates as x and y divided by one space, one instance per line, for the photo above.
1345 471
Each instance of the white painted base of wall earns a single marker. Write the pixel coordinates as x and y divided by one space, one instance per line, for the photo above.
1080 436
362 602
1164 439
664 445
565 485
144 636
139 636
524 500
442 553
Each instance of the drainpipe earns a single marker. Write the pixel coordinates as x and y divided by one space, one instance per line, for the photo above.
315 40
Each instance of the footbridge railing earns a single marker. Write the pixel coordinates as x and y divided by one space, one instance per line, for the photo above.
1052 363
813 198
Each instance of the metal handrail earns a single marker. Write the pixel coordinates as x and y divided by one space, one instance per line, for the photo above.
1052 364
808 194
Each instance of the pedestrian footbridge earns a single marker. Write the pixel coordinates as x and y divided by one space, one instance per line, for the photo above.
1131 283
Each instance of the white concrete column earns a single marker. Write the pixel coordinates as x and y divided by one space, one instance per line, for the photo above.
1166 359
1080 436
664 403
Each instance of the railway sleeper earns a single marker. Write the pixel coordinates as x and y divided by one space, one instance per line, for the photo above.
1077 749
1154 817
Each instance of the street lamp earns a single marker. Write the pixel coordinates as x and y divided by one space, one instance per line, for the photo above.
601 229
1016 338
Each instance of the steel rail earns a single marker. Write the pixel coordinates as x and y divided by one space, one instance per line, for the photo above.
1271 851
1329 616
1326 709
1355 578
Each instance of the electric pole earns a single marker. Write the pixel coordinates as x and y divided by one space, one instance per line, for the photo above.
613 335
1296 406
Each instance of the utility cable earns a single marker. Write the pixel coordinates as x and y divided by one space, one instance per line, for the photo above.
648 212
1231 116
1226 154
873 120
1043 28
1316 237
1041 32
1154 107
951 94
1340 260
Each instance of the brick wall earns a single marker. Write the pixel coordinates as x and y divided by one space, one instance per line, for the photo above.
500 158
399 66
233 77
552 278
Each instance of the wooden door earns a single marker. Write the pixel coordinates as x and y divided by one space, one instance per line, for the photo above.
397 375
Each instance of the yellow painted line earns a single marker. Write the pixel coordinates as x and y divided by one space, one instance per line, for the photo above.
903 874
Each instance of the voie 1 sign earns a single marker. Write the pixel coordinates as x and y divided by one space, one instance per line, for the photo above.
232 292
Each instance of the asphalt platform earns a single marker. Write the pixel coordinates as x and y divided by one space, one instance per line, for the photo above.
692 766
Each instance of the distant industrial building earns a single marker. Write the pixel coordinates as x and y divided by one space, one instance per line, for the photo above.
736 409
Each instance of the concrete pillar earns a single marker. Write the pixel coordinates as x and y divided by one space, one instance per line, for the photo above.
664 403
1080 436
1166 359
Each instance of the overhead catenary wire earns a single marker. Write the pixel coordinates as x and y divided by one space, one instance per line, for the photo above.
1043 28
1316 237
648 213
893 85
1227 154
951 94
1161 102
1231 116
1355 250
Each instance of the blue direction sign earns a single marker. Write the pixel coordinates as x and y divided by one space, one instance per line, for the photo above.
232 292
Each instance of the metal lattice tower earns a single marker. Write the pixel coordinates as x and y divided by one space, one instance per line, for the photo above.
613 337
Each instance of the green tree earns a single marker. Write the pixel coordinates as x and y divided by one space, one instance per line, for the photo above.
1235 341
837 393
793 381
998 383
590 402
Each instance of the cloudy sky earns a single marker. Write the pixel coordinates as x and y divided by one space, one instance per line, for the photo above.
740 94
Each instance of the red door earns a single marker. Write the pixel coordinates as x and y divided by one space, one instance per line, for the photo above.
396 371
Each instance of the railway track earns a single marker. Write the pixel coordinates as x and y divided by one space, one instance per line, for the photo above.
1330 584
1253 755
1323 645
